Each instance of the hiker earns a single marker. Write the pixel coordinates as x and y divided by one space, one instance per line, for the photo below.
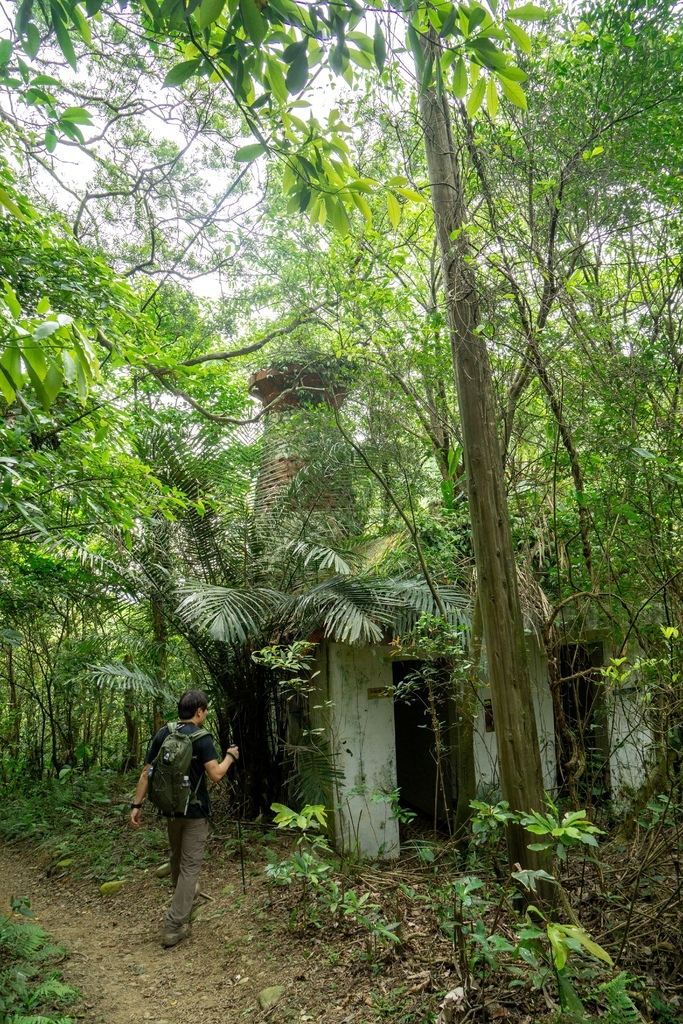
178 760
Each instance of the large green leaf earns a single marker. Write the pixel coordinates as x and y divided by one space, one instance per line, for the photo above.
181 72
255 24
379 47
210 11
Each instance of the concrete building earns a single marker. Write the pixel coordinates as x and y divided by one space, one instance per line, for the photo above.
380 745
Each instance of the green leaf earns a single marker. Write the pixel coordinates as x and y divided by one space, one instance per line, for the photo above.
63 37
476 18
9 204
34 359
556 937
394 208
518 36
31 42
276 79
512 73
12 301
367 185
11 364
50 140
409 193
644 453
488 53
492 97
297 76
77 115
476 97
416 48
363 42
460 79
254 23
82 24
570 1000
45 329
513 92
53 382
379 47
528 12
450 23
584 938
246 154
363 206
337 216
9 394
181 72
5 50
210 11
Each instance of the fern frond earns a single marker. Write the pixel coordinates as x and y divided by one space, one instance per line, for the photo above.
620 1007
53 988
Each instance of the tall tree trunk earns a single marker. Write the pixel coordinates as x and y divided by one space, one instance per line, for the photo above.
517 739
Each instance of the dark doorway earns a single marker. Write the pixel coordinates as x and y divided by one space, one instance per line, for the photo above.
416 755
583 703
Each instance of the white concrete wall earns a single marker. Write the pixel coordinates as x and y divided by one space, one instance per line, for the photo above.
631 744
631 741
485 751
356 683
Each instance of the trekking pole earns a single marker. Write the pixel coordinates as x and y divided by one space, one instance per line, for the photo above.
239 840
240 845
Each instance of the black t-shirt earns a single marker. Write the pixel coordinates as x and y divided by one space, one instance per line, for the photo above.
203 750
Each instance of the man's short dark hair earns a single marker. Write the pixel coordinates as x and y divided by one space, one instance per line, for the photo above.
190 703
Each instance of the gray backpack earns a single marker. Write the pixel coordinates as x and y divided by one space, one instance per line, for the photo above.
169 775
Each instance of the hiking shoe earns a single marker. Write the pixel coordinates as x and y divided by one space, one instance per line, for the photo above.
173 938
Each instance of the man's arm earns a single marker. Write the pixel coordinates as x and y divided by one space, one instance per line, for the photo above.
216 771
140 794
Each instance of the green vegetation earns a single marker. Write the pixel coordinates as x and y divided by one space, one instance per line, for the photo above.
30 989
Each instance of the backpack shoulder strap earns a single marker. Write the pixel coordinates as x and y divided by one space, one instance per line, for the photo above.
199 734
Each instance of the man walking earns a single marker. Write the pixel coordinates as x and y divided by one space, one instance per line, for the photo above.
187 830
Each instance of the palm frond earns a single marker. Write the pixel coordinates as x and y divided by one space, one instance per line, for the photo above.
229 614
116 675
349 609
419 600
322 556
313 773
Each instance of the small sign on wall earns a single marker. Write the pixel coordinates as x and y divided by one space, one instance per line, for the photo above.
378 692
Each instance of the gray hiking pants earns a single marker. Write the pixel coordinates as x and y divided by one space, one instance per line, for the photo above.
187 838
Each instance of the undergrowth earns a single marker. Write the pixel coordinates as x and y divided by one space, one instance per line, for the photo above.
81 822
31 990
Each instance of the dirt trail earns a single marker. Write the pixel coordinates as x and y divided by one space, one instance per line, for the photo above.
237 949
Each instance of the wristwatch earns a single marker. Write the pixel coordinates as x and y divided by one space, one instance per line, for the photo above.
135 807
